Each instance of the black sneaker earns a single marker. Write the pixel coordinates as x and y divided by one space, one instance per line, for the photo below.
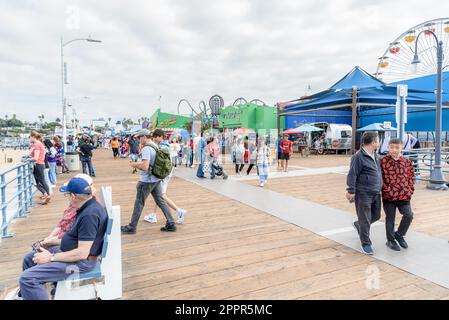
213 177
367 249
356 226
400 240
393 245
169 228
128 230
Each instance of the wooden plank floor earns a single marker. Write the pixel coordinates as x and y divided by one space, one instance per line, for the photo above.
225 250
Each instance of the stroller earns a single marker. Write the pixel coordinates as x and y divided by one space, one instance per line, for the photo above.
219 171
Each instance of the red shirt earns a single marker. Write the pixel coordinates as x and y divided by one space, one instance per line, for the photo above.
213 149
38 146
286 146
398 177
67 220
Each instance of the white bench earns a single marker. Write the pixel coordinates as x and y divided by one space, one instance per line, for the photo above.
105 280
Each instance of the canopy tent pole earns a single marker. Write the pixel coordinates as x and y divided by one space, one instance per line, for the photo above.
354 117
278 119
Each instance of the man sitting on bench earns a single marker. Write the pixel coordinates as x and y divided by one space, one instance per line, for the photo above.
79 248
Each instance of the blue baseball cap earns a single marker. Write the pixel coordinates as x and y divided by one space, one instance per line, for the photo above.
77 185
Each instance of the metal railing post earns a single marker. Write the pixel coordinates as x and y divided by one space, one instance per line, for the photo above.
30 185
19 192
24 187
4 222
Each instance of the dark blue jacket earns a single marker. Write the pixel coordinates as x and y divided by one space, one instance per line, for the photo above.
365 174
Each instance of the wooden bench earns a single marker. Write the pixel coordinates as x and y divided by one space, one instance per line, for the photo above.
105 280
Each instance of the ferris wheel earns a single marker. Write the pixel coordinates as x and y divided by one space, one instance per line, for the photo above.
395 64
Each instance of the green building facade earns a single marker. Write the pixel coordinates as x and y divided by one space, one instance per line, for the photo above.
167 121
250 116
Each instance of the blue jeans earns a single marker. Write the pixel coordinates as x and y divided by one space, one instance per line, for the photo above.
33 278
263 172
199 171
87 163
52 172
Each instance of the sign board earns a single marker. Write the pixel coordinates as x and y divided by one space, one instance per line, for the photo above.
401 104
216 103
402 90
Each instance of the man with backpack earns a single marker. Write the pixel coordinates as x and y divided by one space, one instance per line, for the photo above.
155 166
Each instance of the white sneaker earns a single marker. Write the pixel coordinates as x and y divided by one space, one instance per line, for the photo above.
13 295
181 215
151 218
262 184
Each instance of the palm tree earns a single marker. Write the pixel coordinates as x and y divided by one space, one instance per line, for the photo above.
14 116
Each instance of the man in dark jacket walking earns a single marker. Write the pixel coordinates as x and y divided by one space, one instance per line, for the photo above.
364 184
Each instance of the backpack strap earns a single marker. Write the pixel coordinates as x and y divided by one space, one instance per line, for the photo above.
154 146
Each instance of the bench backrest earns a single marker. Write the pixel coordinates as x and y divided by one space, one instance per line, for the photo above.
111 264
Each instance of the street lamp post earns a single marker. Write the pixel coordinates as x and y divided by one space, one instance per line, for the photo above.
437 181
64 101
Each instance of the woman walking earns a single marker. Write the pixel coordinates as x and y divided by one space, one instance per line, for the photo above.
115 146
239 152
174 150
38 156
252 155
263 162
51 156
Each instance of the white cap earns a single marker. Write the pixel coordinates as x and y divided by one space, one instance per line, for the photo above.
83 176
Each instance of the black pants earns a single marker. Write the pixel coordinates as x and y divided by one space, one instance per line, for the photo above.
250 168
39 176
239 168
115 151
368 207
405 209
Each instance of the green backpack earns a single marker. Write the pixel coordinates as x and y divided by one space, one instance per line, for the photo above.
162 166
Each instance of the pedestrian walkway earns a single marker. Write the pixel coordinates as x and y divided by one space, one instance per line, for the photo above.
296 173
427 257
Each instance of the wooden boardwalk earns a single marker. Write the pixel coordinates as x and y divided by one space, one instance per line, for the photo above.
225 250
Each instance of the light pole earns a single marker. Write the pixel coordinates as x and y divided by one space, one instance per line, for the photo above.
437 181
64 108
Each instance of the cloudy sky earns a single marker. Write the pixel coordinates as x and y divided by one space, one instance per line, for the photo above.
270 50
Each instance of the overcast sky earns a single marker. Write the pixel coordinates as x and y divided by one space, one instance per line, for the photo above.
270 50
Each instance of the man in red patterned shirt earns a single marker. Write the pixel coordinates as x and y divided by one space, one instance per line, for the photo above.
398 187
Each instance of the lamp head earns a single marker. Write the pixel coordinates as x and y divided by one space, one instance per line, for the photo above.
416 59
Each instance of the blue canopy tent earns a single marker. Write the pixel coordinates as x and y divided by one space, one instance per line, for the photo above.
376 127
371 93
371 99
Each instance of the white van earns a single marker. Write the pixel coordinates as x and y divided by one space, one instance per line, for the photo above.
336 136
